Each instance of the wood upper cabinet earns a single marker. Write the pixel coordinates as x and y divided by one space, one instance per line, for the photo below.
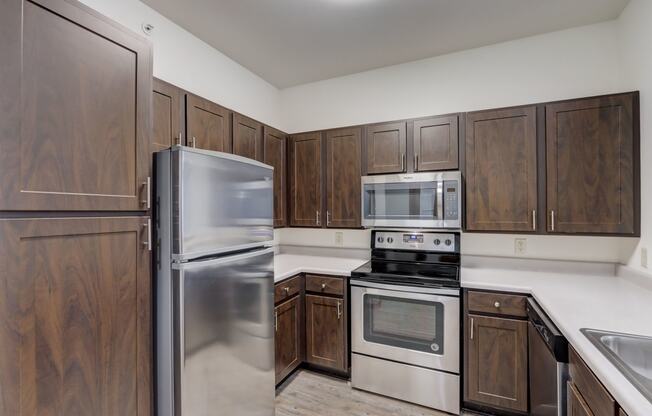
496 362
305 180
208 124
274 151
247 137
325 332
343 173
435 143
501 170
76 313
591 165
168 116
75 115
386 148
287 338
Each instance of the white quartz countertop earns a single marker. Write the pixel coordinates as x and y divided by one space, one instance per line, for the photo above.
288 265
573 301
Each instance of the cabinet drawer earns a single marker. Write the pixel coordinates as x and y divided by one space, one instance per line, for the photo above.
287 288
323 284
597 397
497 303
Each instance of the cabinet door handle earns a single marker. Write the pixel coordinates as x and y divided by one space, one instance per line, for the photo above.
328 217
534 220
147 187
552 220
275 321
472 325
339 309
416 161
194 141
317 217
148 228
403 162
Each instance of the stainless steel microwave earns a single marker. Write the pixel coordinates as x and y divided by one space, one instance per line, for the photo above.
414 200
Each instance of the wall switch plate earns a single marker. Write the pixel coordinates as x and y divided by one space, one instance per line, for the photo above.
339 238
644 257
520 246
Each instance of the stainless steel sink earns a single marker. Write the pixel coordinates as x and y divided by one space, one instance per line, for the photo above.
631 354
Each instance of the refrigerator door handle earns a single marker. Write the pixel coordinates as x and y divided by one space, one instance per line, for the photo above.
220 260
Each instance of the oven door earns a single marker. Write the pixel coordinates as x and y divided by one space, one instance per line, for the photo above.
399 324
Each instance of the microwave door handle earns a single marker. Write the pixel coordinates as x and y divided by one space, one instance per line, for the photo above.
440 200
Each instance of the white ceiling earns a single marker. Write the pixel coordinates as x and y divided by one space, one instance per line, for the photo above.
292 42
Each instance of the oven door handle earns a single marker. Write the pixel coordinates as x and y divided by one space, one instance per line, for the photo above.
408 295
406 289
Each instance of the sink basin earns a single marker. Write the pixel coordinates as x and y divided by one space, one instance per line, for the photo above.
631 354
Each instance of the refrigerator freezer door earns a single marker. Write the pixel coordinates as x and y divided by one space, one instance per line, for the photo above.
218 202
224 326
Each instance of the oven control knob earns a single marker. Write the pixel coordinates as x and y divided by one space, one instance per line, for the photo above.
381 239
448 242
437 241
390 240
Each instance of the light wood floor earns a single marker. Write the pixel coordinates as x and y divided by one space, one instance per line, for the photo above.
311 394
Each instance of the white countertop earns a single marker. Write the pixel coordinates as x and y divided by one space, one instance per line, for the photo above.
288 265
573 301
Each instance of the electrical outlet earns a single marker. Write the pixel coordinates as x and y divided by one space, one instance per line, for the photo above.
644 257
520 246
339 238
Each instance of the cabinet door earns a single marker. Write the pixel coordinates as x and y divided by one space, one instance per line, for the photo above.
591 166
209 125
436 144
247 137
386 145
325 332
287 337
75 116
343 175
497 362
167 115
501 170
274 145
76 313
576 405
305 180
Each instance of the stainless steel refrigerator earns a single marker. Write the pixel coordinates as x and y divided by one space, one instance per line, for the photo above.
214 284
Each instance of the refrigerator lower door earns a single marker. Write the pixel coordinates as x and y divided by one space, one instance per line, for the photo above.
224 333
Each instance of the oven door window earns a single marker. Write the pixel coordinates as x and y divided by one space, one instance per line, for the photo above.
416 325
401 201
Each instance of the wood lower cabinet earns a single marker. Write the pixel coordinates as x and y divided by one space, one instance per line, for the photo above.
592 165
343 153
168 116
274 154
386 148
576 405
76 311
501 170
305 180
325 332
208 124
75 121
436 144
247 137
288 336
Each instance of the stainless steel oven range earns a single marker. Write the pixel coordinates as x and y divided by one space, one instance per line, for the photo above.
405 318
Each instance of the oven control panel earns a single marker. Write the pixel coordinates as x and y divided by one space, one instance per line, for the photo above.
416 240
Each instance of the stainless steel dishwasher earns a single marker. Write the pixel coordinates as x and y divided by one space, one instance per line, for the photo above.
548 357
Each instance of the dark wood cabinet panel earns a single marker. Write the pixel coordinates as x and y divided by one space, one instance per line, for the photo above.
596 396
76 313
286 289
501 170
386 148
75 112
247 137
436 143
590 165
325 284
325 332
497 303
497 371
167 114
305 180
343 173
208 124
576 405
274 151
287 337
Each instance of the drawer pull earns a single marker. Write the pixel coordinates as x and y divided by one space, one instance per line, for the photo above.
287 290
323 286
497 305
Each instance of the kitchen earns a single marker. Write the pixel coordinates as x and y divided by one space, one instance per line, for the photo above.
351 207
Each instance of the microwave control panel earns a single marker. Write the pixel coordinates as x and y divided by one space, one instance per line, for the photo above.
451 200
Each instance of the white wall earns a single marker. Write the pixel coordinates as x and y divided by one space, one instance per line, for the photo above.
184 60
635 31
